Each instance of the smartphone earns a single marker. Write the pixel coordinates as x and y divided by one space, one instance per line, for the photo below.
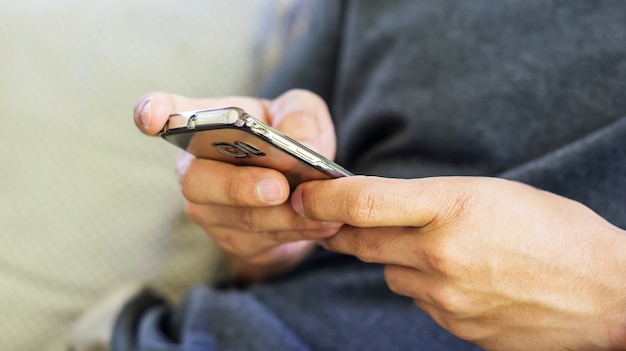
231 135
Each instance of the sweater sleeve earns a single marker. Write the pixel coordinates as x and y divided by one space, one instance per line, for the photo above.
591 170
310 55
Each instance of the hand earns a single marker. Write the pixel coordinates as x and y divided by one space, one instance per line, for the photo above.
243 208
496 262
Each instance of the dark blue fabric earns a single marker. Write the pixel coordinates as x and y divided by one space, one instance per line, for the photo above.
306 310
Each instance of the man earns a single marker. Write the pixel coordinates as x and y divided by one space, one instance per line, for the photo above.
449 107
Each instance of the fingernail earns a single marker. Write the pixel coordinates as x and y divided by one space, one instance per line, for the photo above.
296 202
144 112
269 190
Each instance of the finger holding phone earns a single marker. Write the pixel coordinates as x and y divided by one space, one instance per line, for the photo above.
244 209
493 261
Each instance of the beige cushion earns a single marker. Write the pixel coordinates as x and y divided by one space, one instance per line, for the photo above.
87 203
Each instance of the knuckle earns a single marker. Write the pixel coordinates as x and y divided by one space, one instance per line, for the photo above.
445 258
450 300
396 281
462 204
248 220
234 192
363 205
365 249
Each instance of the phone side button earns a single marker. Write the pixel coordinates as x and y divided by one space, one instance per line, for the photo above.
306 156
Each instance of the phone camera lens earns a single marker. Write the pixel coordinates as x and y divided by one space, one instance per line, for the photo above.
230 150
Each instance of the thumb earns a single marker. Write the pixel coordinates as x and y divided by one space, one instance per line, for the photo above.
152 110
304 117
363 201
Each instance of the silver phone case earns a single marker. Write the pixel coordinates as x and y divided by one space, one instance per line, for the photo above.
231 135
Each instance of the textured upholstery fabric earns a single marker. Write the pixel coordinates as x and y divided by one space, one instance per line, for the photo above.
87 203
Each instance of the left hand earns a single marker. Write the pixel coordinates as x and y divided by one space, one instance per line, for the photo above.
245 210
496 262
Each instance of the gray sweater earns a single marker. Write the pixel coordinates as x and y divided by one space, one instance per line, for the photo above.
524 89
529 90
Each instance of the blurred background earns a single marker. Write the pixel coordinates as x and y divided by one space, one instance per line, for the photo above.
87 203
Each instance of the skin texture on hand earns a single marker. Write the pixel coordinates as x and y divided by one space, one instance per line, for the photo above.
245 209
496 262
499 263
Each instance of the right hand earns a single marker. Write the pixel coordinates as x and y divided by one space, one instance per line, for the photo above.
245 209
